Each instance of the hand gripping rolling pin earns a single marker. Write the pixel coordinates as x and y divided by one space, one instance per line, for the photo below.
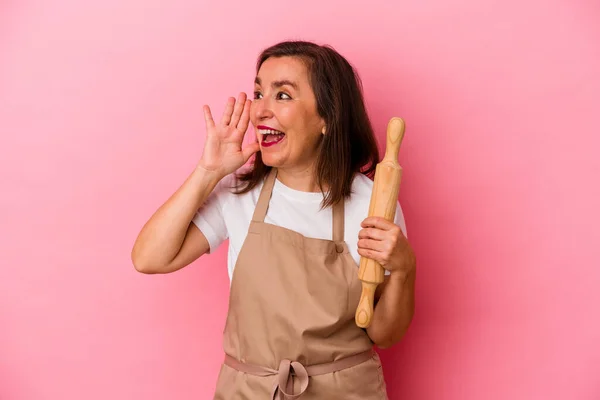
383 204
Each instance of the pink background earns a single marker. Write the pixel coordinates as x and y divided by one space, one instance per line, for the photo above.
100 121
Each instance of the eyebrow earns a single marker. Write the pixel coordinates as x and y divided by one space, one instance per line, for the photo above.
279 83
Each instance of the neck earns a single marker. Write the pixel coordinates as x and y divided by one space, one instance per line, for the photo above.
302 179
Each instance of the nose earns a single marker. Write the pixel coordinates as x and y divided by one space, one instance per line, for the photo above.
262 110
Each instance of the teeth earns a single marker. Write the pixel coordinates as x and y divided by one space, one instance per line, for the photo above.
269 132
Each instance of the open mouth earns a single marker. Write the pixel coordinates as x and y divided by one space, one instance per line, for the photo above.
270 137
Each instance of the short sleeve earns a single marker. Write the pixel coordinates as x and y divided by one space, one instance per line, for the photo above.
399 219
210 216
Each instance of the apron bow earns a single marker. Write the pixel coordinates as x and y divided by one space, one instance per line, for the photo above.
283 389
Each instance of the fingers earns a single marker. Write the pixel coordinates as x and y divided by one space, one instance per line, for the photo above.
238 109
375 245
380 251
242 126
377 239
373 255
378 222
226 118
371 233
234 110
208 117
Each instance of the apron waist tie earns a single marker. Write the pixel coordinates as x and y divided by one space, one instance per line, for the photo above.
284 385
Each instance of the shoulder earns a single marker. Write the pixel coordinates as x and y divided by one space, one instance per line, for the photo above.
361 189
362 185
357 204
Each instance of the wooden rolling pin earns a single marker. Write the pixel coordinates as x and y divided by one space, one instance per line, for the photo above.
383 204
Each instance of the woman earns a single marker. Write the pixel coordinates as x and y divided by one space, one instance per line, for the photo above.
297 226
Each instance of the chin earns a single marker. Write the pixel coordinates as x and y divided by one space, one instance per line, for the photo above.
269 162
272 160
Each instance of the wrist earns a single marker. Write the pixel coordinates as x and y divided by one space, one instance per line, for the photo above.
401 275
206 177
207 173
406 267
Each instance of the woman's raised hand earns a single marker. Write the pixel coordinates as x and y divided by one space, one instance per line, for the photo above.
223 152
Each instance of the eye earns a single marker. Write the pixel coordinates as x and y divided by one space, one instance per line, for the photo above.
283 96
257 95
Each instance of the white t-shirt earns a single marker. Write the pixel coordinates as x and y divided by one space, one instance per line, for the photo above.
225 215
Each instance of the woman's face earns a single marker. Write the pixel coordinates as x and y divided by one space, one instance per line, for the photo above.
284 114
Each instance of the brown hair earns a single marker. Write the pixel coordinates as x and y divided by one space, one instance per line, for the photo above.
349 147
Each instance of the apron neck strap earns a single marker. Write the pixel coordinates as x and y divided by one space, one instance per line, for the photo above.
265 196
338 221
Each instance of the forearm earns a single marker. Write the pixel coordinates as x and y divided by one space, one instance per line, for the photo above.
161 238
394 310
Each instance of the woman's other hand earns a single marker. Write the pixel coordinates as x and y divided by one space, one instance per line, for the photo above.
384 242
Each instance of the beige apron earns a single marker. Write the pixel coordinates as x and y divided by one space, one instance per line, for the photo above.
290 330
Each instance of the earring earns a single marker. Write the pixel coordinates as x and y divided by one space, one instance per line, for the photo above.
323 130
